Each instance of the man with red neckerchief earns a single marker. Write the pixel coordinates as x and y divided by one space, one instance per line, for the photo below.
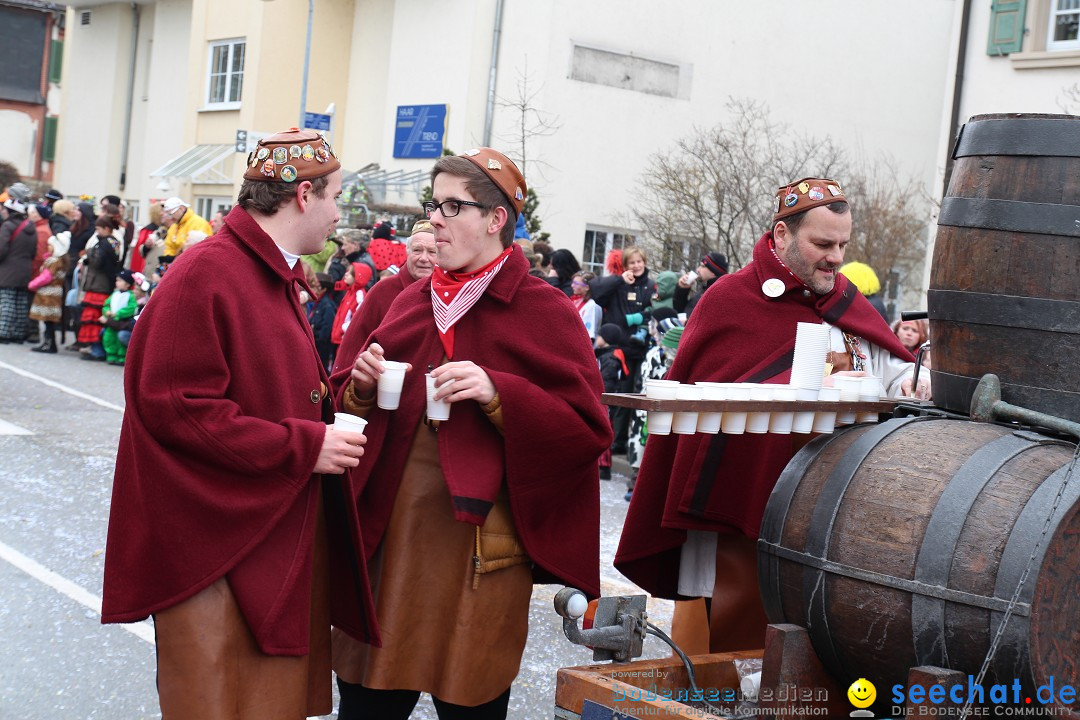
696 510
462 516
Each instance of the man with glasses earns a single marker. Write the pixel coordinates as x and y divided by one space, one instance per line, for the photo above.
696 510
462 516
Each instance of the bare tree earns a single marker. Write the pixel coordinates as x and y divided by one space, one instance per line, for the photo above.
714 189
1069 102
529 122
890 213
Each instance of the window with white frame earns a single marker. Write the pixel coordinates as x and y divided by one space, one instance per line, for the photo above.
598 243
207 205
1064 32
225 81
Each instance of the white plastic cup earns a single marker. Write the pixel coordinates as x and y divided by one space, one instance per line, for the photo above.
758 422
436 409
780 422
709 422
825 422
347 422
685 423
869 391
690 277
390 382
734 423
849 392
659 423
803 422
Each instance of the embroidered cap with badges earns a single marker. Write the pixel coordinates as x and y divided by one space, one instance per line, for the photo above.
773 287
286 157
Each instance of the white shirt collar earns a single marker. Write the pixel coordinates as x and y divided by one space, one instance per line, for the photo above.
289 257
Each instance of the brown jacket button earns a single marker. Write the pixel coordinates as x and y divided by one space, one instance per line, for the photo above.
315 396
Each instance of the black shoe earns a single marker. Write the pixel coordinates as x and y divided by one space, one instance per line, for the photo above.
605 473
88 356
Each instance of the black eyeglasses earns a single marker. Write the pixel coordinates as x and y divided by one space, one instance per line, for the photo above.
448 208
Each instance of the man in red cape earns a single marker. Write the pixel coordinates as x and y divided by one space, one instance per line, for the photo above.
419 264
694 517
462 516
228 524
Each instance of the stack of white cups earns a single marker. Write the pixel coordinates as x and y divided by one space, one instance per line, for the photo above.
811 351
660 422
869 391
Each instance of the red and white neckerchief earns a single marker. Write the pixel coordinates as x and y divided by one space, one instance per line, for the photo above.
452 294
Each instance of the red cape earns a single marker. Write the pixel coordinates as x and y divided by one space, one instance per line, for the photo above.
722 482
554 426
220 436
377 303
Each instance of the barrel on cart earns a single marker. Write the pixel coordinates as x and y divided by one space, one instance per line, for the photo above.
901 544
1004 293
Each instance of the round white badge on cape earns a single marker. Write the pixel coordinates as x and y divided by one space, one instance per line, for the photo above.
773 287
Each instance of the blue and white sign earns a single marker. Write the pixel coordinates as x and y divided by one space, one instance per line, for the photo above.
316 121
419 131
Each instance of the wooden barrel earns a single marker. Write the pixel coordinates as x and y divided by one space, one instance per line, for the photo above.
901 544
1004 293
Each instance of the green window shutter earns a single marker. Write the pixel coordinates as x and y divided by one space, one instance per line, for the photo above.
56 60
48 140
1006 26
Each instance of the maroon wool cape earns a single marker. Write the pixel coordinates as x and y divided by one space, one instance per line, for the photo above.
529 339
220 437
722 482
376 304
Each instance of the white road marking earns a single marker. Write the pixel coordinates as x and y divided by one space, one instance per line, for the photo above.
141 630
7 428
61 388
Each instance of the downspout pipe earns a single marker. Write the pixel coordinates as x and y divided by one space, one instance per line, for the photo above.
489 113
958 92
130 95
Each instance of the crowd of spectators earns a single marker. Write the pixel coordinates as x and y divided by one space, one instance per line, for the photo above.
86 268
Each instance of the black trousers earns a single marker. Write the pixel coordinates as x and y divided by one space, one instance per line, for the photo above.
361 703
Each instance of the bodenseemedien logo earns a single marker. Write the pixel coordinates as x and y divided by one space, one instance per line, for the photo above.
862 694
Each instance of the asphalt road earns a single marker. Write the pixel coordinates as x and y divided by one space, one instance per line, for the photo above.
59 426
